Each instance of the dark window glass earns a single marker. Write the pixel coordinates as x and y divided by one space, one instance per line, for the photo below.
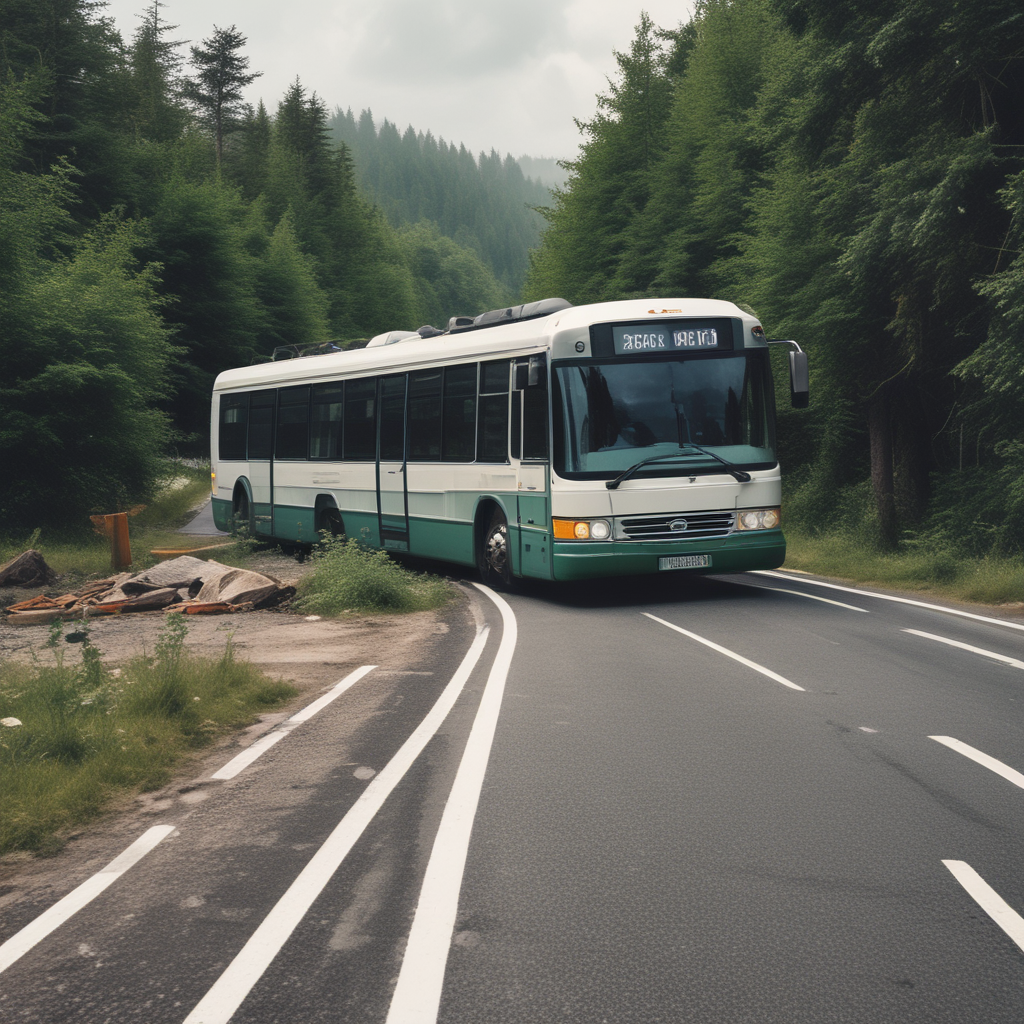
361 419
492 444
325 422
261 424
425 416
535 423
292 423
516 447
392 418
234 412
459 435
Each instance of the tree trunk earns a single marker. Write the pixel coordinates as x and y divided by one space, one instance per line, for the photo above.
880 436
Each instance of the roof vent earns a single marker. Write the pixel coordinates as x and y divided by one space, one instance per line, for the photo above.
508 315
391 338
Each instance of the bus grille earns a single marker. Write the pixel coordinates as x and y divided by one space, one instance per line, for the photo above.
698 526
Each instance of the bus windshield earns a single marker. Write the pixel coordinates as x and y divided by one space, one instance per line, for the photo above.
608 415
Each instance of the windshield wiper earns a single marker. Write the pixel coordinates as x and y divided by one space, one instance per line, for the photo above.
737 474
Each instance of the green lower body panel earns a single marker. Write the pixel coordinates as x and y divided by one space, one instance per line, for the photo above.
739 552
222 514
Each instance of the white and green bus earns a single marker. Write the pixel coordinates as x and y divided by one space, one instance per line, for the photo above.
545 440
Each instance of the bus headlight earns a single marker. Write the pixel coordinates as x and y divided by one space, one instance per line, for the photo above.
758 519
581 529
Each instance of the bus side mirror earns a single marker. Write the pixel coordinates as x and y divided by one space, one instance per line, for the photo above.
799 383
529 374
522 377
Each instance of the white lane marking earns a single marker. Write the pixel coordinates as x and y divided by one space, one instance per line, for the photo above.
812 597
21 942
989 900
1008 773
237 980
967 647
417 995
892 597
729 654
264 743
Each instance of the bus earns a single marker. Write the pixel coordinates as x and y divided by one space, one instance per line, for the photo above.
545 441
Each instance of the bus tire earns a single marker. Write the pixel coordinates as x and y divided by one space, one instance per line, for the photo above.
331 522
495 557
241 514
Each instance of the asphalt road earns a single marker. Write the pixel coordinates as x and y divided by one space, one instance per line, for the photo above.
709 800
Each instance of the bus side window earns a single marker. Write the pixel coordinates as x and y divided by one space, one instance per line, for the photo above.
234 415
292 423
492 445
535 423
458 428
261 424
425 416
361 419
325 421
392 418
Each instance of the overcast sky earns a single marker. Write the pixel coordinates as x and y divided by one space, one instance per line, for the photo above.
504 74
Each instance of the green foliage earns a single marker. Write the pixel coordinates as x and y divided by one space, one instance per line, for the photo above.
89 733
348 577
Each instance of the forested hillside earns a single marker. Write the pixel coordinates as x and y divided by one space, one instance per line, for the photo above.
854 173
486 203
155 230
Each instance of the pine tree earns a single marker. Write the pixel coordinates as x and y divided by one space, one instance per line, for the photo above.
216 91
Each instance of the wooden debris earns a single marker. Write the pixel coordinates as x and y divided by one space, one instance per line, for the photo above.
29 569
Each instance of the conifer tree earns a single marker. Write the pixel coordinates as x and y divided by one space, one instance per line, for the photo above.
216 91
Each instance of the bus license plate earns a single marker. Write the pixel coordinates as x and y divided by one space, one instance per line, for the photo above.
685 562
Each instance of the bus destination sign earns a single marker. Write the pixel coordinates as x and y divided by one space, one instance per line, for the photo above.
633 339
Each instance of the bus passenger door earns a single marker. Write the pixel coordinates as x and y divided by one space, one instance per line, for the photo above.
262 405
392 491
529 439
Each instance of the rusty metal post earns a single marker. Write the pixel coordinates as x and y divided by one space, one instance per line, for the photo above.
116 528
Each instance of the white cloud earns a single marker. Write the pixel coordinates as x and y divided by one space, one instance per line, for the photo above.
489 73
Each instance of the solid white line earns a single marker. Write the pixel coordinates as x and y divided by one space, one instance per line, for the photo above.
729 654
1008 773
812 597
892 597
231 988
417 995
21 942
967 647
264 743
989 900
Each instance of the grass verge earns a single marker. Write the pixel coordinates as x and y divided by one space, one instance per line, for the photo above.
86 734
921 568
348 577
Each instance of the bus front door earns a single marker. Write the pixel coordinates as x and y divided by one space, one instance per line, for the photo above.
392 490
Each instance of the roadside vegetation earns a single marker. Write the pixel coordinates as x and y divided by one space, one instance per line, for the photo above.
348 577
74 738
922 566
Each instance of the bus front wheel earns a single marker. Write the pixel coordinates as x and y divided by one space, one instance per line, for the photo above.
495 558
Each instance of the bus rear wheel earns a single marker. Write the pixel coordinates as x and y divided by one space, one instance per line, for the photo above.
331 522
495 559
241 516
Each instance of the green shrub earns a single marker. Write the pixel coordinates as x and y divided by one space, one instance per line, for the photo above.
350 577
88 733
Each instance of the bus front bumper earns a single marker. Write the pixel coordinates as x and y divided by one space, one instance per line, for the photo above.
739 552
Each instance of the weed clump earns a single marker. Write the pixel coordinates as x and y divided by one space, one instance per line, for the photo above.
85 733
347 576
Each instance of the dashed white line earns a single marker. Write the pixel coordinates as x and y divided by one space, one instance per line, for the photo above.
264 743
989 900
893 598
729 654
1013 662
417 995
231 988
1008 773
21 942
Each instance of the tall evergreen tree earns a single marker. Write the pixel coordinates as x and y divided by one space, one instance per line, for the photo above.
216 91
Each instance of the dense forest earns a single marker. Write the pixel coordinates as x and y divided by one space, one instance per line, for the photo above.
155 229
854 174
485 204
